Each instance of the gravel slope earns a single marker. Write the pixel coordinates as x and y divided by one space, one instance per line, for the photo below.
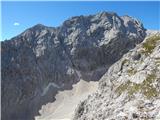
66 101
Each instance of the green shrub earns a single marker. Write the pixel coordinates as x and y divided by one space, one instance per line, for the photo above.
125 61
146 87
150 44
131 71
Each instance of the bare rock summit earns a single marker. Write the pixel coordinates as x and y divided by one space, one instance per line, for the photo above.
43 60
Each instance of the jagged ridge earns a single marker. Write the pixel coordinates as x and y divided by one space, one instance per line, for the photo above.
82 48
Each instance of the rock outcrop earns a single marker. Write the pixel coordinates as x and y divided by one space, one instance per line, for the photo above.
130 89
44 60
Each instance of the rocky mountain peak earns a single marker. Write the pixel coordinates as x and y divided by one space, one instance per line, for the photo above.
37 30
44 60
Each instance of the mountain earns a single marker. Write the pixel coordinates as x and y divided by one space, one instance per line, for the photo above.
130 89
42 61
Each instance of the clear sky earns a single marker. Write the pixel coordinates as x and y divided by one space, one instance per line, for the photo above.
18 16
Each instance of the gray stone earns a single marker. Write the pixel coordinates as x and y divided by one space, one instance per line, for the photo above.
128 90
59 57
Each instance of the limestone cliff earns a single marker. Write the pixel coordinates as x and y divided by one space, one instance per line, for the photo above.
130 89
44 60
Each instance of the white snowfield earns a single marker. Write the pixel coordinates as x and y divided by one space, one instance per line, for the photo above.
66 101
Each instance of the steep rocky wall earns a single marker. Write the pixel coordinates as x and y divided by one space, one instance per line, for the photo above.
130 89
82 48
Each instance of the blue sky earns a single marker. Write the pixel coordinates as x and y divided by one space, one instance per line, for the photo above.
18 16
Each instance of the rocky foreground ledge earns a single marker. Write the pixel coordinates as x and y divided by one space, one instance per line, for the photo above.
130 89
42 61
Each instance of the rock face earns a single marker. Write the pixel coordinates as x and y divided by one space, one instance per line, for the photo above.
43 60
130 89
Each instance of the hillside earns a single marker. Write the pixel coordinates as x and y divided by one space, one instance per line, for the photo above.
43 61
130 89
